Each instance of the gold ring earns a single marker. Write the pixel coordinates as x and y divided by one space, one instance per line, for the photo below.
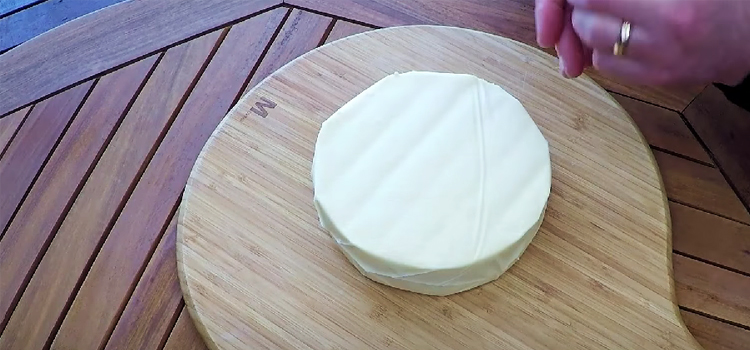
622 41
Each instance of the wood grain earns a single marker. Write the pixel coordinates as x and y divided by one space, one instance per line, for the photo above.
725 129
48 294
676 98
712 290
301 33
510 18
32 145
664 129
344 29
78 50
156 302
710 237
55 189
699 186
9 126
247 218
24 25
184 336
139 225
714 335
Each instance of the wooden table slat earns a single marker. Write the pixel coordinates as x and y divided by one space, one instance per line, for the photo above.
155 197
155 304
63 175
301 32
715 335
699 186
664 129
24 25
9 126
79 236
343 29
9 6
32 145
675 98
710 237
82 48
712 290
512 18
184 335
725 129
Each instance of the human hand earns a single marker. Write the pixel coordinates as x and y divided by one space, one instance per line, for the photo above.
554 28
671 41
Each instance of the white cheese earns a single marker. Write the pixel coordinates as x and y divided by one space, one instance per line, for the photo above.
434 183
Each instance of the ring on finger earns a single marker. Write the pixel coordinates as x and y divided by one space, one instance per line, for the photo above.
623 39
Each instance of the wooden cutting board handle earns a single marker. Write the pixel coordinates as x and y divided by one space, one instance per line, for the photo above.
257 271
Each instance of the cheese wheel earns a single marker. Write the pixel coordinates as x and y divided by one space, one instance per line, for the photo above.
430 182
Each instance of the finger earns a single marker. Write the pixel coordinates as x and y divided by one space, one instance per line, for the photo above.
641 11
570 49
549 21
588 59
628 70
601 32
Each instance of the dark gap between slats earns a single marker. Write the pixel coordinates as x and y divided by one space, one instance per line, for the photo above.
640 100
139 275
335 17
713 157
711 154
327 33
172 324
47 15
46 160
680 155
19 9
260 59
693 100
715 318
709 262
10 141
129 192
6 50
707 211
177 203
127 63
79 188
17 297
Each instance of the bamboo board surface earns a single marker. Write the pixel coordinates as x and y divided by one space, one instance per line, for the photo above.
257 271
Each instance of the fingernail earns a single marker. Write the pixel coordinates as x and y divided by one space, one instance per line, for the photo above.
562 68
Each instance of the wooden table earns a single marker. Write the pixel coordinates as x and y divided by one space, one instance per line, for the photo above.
104 116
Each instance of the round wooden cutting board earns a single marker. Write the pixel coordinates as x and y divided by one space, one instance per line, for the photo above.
258 272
